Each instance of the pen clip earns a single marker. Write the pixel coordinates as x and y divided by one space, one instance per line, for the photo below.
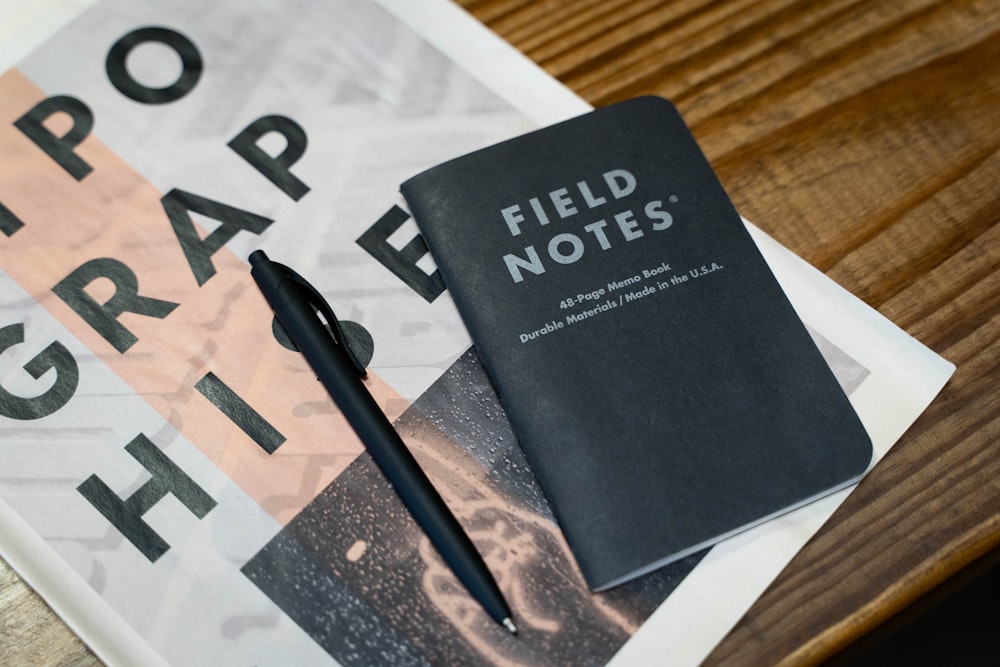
316 299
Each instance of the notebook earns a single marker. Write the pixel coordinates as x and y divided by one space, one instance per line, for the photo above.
662 387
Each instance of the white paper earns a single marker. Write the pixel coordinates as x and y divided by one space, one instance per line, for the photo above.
195 607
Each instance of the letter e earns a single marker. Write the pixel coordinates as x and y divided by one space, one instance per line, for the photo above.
403 263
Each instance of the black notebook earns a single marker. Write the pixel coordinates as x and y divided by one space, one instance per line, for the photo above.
662 387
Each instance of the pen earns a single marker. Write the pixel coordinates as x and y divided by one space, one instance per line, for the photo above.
295 304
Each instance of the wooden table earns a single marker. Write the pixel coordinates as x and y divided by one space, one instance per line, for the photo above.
864 136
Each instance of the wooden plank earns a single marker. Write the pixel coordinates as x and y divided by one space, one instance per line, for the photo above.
865 137
30 633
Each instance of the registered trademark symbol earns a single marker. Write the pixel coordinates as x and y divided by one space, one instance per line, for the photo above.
673 199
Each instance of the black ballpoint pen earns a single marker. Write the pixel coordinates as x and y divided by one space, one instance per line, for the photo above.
295 304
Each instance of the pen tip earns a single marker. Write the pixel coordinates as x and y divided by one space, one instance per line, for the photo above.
509 624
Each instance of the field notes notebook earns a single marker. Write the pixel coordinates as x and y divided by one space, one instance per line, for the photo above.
661 385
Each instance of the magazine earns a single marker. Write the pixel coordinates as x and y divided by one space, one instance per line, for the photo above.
176 484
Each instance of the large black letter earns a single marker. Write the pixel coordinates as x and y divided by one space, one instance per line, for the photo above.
9 223
60 149
126 85
178 203
401 262
241 414
126 515
103 317
55 356
275 169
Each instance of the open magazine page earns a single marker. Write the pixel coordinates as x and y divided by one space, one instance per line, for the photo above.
176 483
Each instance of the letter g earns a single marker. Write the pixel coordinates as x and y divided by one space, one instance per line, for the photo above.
54 356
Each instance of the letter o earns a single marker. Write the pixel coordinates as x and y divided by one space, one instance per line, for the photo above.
571 239
121 79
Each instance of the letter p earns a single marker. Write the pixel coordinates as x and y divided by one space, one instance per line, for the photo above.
61 148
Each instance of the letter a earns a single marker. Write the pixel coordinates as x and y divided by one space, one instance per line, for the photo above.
178 204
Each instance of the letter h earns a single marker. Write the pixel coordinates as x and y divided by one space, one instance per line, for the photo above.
126 515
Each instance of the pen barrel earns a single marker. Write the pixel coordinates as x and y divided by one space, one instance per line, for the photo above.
390 454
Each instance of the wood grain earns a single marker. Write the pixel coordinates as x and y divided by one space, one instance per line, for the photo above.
864 136
30 634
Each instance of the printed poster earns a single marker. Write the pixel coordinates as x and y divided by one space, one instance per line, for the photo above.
163 446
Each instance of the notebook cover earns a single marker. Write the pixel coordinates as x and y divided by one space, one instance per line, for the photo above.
661 385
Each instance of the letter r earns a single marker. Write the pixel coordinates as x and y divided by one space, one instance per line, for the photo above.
103 317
